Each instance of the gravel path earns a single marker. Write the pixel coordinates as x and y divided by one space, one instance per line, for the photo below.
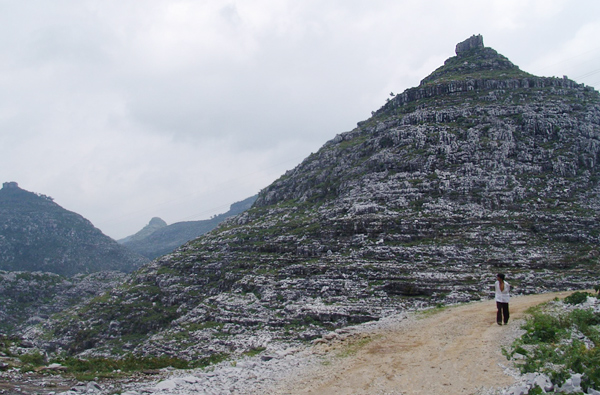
453 351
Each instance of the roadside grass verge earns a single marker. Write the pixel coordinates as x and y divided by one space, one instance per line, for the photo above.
560 339
99 367
422 314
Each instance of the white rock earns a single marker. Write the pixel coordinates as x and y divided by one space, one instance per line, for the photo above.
543 382
518 390
92 386
246 364
190 379
330 336
166 385
573 384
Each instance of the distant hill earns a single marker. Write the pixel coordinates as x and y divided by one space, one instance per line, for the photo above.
154 225
157 238
37 234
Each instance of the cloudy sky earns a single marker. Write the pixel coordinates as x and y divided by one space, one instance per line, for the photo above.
125 110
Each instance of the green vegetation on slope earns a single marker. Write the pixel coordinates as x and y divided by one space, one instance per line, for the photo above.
559 344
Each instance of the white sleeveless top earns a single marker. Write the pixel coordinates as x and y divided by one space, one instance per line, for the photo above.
502 296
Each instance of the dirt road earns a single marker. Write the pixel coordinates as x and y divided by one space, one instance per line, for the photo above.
452 351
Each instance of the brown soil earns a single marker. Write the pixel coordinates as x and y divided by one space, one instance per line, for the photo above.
453 351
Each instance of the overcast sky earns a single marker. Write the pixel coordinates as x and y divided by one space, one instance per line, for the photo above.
126 110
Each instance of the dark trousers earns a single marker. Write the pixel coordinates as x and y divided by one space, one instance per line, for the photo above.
502 311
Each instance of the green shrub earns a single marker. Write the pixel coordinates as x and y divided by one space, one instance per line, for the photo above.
577 297
544 328
107 367
33 359
560 359
536 390
254 351
584 320
578 359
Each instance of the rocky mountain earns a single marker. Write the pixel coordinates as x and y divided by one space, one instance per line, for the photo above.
157 238
481 168
37 234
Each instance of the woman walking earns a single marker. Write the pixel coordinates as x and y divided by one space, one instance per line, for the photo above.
502 296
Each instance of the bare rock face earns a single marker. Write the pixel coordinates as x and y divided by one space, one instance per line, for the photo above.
473 42
482 168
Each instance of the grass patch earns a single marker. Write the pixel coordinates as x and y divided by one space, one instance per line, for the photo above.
88 369
431 312
353 347
254 351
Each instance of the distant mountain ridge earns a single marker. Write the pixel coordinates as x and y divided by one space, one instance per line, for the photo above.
154 225
157 238
37 234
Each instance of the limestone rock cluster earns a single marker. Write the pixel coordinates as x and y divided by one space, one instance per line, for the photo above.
482 168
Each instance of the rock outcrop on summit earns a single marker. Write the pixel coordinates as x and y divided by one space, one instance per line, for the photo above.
481 168
473 42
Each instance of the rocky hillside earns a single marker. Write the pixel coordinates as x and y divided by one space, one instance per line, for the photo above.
37 234
28 298
157 238
481 168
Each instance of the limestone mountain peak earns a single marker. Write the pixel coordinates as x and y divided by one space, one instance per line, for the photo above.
474 61
482 168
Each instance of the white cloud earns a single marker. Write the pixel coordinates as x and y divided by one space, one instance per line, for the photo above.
125 110
578 56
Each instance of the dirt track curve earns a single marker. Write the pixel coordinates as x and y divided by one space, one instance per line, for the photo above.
453 351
